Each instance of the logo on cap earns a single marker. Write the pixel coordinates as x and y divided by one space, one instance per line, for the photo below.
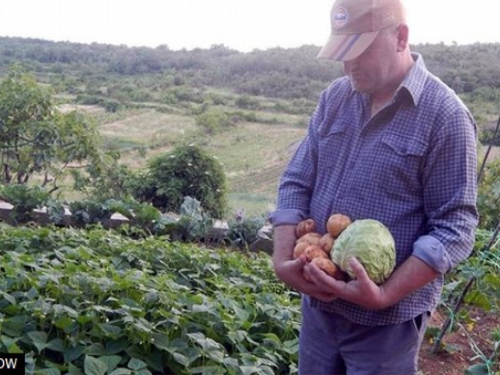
340 17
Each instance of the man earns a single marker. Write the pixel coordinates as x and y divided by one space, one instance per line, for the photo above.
389 141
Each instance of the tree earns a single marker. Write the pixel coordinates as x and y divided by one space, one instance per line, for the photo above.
35 137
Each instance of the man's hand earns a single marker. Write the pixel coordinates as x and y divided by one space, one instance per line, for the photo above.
289 270
361 290
408 277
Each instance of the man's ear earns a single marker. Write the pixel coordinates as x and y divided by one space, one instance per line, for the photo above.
403 33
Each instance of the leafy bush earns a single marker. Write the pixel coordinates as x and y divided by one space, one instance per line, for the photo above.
111 105
247 102
105 180
186 171
213 121
488 200
484 266
194 225
90 211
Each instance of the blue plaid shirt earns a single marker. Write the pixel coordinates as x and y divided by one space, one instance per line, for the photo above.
412 166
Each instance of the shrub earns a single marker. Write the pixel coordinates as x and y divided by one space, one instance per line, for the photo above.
194 225
243 232
489 196
247 102
186 171
213 121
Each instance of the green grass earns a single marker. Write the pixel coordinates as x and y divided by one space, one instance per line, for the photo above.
254 204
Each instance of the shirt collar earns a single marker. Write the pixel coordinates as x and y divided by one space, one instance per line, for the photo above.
414 81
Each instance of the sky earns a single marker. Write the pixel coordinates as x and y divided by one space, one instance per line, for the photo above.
243 25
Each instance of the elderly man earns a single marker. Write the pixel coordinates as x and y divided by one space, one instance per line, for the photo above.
388 141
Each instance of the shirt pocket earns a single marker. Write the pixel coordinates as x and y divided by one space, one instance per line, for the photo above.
399 172
333 144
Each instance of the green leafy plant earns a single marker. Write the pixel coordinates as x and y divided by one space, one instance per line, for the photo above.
106 179
213 121
89 211
488 200
194 224
244 231
475 282
486 367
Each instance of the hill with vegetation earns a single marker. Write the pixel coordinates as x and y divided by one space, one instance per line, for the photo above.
236 105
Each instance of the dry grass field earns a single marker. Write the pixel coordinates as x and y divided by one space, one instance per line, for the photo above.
253 154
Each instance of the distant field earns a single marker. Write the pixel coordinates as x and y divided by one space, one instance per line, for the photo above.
253 154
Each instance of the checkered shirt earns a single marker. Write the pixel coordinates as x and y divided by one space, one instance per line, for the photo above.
412 166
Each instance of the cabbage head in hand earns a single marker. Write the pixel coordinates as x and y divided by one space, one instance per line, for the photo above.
371 243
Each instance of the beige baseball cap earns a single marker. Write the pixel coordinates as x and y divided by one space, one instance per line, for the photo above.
356 24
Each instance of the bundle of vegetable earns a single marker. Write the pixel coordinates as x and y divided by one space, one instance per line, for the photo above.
371 243
367 240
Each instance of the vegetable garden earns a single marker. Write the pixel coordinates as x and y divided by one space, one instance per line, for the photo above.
96 302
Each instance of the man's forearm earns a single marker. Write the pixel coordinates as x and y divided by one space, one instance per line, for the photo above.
407 278
284 241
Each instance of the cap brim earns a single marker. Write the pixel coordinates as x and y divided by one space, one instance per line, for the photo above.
344 47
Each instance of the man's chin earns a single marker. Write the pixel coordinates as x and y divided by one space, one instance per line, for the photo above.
356 86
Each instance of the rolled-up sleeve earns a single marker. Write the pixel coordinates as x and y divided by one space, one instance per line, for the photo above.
450 193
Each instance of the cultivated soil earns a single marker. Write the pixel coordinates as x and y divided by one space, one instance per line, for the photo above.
457 351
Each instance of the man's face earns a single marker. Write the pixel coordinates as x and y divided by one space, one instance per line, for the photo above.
372 72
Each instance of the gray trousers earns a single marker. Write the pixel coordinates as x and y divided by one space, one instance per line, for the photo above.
330 344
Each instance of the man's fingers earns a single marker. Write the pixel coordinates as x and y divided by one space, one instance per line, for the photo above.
321 279
300 262
358 270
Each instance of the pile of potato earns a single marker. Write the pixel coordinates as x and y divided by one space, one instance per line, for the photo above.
317 247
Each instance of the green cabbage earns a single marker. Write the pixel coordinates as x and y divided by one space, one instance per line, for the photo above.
370 242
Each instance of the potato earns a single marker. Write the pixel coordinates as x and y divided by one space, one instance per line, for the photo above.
314 251
299 249
330 268
311 238
326 243
337 223
305 226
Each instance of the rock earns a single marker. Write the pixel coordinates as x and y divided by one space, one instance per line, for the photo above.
264 241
